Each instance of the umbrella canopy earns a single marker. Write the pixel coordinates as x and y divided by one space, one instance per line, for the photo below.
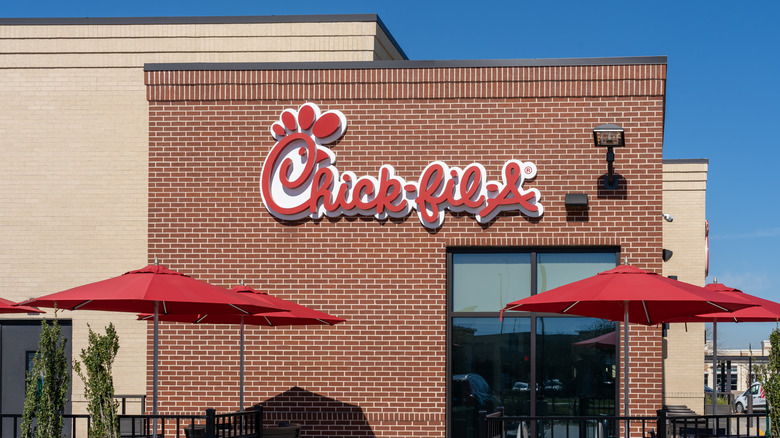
650 298
763 311
138 291
154 289
292 314
8 306
629 294
288 313
607 341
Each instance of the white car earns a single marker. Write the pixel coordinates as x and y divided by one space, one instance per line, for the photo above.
756 391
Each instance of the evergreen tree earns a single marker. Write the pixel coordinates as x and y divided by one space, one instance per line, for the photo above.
770 380
47 386
97 360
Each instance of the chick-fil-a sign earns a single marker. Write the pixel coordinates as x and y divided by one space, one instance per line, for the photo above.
299 180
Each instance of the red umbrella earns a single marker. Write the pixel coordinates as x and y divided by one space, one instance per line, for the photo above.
763 311
292 314
8 306
606 341
154 289
629 294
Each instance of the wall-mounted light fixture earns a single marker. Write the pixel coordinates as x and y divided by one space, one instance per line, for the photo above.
668 217
609 136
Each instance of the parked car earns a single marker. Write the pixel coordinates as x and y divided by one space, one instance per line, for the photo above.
756 391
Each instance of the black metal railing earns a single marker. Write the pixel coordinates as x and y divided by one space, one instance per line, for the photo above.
495 425
733 425
244 424
599 426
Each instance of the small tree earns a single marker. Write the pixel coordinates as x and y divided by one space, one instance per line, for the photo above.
770 380
99 383
47 385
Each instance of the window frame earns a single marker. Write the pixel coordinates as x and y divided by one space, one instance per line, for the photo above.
533 251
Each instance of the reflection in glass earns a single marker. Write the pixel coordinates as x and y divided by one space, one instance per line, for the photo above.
486 282
490 368
575 366
557 269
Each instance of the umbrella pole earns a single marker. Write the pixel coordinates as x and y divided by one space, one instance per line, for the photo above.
714 368
241 373
154 367
625 363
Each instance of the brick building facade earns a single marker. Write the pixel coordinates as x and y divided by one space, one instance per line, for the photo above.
387 370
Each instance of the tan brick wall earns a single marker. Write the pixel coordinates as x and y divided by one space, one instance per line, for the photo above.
73 136
685 185
388 279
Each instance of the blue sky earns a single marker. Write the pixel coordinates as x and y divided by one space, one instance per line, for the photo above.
723 92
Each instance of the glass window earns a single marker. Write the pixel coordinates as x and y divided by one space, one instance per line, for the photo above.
487 282
571 370
29 360
557 269
491 368
575 366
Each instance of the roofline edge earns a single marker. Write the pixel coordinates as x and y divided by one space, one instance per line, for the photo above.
227 19
685 161
352 65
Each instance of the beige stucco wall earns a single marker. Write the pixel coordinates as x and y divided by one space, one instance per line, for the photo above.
685 185
74 139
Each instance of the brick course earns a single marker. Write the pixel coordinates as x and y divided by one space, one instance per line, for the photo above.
384 369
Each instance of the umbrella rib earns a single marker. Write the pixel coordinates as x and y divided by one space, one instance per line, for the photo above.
201 319
239 309
568 308
647 315
723 309
80 305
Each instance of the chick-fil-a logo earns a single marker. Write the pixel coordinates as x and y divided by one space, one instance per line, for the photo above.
299 179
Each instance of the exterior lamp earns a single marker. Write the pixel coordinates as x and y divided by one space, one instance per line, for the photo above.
609 136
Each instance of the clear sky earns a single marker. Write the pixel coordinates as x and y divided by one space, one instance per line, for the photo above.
723 89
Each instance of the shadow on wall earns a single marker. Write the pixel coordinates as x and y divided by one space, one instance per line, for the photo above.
317 415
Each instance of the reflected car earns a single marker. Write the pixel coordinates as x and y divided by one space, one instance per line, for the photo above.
521 386
553 385
707 389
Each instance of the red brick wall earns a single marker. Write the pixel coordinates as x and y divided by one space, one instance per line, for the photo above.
384 369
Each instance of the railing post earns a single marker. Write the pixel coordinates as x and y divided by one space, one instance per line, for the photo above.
259 421
210 422
482 424
661 423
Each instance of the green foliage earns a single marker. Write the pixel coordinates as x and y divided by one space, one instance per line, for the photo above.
770 379
97 360
47 386
721 400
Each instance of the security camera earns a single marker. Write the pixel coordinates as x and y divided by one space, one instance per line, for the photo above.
668 217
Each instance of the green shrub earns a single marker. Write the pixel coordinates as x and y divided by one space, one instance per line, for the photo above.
770 379
97 360
47 385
